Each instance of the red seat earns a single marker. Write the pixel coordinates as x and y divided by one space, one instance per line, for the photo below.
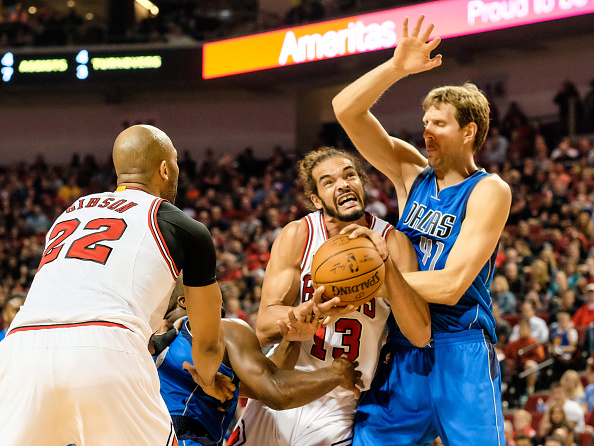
585 439
512 319
536 418
532 402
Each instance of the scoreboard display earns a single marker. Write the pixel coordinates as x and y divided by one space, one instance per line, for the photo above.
87 65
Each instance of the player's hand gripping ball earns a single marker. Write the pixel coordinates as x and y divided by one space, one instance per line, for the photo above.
351 269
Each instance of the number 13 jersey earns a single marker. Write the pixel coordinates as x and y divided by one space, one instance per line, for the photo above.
357 335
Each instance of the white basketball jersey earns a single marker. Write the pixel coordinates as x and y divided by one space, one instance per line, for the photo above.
104 260
356 335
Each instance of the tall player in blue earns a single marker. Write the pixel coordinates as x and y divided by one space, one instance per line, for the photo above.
454 213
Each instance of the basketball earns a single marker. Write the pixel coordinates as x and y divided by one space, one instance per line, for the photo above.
351 269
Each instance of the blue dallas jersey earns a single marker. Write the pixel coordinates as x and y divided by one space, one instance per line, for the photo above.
195 415
432 222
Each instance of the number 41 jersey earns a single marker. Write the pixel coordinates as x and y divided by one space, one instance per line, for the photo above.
104 260
357 335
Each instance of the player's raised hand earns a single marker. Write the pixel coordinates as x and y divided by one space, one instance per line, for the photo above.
350 376
361 231
413 53
222 387
304 321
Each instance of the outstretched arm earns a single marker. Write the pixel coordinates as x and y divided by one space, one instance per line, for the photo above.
398 160
282 389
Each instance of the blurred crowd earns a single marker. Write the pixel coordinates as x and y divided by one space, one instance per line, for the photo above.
179 22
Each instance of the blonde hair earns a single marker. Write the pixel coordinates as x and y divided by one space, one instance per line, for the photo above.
471 106
572 383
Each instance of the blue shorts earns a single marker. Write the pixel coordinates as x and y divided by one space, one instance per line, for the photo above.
451 389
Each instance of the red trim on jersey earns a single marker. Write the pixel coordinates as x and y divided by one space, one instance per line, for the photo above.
159 238
307 246
387 231
67 325
323 223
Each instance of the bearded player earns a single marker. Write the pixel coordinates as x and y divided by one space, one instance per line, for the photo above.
334 182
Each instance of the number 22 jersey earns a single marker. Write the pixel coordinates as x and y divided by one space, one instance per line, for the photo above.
114 257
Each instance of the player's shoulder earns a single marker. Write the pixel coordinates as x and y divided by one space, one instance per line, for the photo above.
236 324
172 214
237 332
295 232
492 187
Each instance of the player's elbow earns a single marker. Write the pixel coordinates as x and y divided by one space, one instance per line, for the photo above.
453 293
274 397
265 337
342 109
421 337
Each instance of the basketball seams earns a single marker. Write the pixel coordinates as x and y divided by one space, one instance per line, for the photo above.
341 252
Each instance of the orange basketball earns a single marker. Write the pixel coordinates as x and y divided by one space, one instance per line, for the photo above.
351 269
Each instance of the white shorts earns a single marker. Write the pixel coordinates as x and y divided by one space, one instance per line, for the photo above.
324 422
91 386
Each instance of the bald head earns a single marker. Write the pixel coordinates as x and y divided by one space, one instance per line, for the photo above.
143 155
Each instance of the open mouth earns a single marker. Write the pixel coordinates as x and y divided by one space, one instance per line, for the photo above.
347 200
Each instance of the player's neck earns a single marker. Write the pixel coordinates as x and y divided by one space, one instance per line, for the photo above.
334 225
133 185
455 174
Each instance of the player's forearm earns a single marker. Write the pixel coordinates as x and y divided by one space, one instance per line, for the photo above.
439 286
267 328
207 358
286 354
358 97
295 388
410 310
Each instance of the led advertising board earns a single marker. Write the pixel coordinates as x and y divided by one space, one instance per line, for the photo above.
376 31
88 65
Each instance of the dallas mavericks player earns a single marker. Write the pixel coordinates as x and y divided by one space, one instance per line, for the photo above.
453 213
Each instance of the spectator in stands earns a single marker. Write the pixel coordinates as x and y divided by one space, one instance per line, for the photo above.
502 331
555 440
573 411
70 191
37 222
570 108
572 383
589 390
10 309
522 440
523 424
565 153
553 418
524 354
585 315
495 148
564 338
564 343
233 309
538 327
502 296
567 434
515 278
566 303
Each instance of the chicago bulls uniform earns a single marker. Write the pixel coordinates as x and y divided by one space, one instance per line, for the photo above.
327 420
79 343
